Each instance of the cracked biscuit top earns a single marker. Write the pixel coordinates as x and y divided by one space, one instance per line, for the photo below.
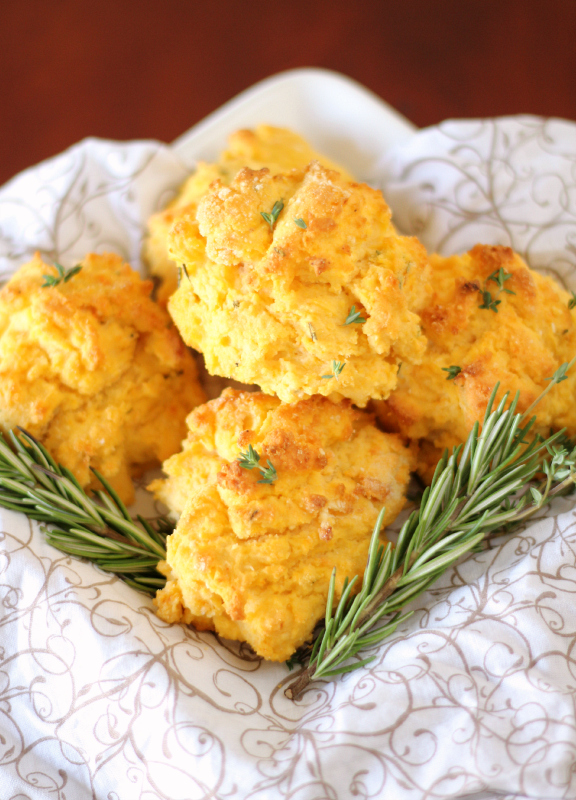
254 548
94 368
278 149
491 319
299 283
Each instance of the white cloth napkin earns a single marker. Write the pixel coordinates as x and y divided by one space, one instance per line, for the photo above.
473 697
510 181
94 197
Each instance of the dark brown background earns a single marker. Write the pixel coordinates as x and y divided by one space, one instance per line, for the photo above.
136 69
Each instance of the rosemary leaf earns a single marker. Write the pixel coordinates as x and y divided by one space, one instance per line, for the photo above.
489 482
103 532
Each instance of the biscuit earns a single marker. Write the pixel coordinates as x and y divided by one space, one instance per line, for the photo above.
268 303
253 560
518 337
278 149
94 369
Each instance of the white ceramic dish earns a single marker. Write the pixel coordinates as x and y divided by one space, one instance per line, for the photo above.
338 116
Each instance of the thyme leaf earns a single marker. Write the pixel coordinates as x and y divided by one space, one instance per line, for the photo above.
499 277
251 458
354 316
337 367
489 302
63 276
268 473
452 371
273 215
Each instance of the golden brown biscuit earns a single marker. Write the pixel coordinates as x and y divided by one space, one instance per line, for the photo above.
518 336
267 304
94 369
252 560
278 149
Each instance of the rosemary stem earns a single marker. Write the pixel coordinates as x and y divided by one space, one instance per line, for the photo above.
485 484
553 381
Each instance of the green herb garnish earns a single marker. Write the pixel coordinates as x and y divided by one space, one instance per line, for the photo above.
489 302
354 316
490 483
300 222
103 532
268 473
251 459
273 215
63 275
337 367
452 371
499 276
295 660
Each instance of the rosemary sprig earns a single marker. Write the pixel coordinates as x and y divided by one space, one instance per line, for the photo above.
64 275
103 532
483 486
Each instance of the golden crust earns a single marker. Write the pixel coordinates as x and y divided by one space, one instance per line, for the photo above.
155 251
94 369
268 307
278 149
253 561
521 345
